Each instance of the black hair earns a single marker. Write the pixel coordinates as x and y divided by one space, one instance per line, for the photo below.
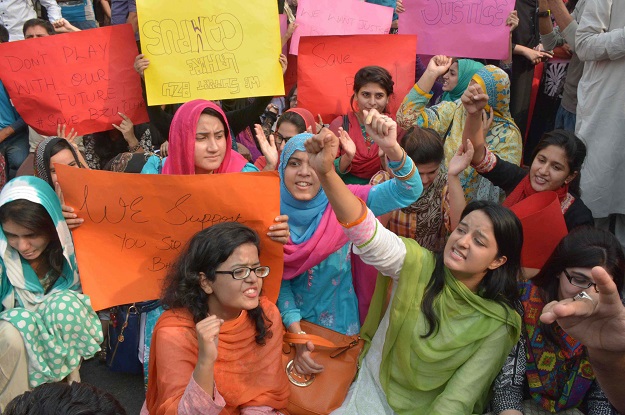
64 399
38 22
4 34
583 247
56 145
423 145
287 99
293 118
574 148
215 113
372 74
35 217
500 284
208 249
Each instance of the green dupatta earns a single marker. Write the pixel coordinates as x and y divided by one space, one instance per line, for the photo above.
416 371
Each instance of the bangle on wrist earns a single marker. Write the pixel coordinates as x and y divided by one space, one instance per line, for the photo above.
402 160
409 175
546 13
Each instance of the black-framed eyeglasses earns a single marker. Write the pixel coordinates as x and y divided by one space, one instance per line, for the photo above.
244 272
580 281
279 138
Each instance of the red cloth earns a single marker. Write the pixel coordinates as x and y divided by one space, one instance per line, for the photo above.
181 159
525 189
366 162
246 373
309 119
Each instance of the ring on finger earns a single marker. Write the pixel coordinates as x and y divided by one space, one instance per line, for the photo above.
584 296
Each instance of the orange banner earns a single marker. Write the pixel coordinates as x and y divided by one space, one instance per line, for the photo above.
326 66
137 224
82 79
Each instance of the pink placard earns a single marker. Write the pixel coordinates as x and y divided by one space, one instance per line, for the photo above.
344 17
459 28
284 24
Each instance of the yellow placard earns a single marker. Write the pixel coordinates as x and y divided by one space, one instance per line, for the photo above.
217 49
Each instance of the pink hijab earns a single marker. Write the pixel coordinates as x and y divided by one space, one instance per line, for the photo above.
181 159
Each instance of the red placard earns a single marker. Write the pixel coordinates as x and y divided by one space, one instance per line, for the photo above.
82 79
327 65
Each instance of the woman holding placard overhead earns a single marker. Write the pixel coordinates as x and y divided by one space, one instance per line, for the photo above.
358 159
447 118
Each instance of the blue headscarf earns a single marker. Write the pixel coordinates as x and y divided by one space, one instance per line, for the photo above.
304 216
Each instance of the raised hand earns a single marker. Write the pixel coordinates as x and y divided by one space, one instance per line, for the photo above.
381 128
399 6
207 338
347 144
69 136
474 99
513 20
461 160
439 65
599 324
126 127
322 149
284 63
267 147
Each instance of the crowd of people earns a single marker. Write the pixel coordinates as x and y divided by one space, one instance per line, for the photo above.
406 226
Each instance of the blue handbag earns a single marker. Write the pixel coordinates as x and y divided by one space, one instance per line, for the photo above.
122 354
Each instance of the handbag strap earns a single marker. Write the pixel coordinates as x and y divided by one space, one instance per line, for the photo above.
304 338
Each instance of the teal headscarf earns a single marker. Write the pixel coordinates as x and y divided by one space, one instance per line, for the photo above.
19 282
466 69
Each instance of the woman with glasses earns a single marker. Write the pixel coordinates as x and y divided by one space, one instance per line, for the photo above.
219 344
293 122
550 364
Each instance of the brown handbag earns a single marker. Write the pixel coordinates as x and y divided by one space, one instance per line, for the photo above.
338 354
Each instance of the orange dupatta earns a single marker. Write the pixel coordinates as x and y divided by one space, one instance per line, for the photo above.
246 373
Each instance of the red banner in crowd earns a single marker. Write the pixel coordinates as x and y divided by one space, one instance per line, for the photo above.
82 79
327 65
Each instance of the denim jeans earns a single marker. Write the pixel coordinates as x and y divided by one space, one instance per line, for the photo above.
565 119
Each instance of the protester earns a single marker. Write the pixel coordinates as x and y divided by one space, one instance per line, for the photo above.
292 122
600 44
448 118
321 280
358 160
14 13
219 344
80 14
457 78
424 357
65 399
47 325
556 164
556 364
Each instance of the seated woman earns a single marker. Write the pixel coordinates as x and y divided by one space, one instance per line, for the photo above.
291 123
219 344
60 151
321 280
552 364
47 326
457 78
199 143
115 149
423 220
358 159
556 164
447 118
451 322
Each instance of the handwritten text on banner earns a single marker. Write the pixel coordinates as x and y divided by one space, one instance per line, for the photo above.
137 224
81 79
461 28
344 17
327 65
214 49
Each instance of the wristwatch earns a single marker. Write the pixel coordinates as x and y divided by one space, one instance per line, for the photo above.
546 13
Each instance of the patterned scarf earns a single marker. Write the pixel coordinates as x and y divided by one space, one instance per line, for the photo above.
559 375
42 158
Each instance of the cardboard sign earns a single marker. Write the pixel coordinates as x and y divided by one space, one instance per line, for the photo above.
459 28
345 17
136 225
82 79
216 49
327 65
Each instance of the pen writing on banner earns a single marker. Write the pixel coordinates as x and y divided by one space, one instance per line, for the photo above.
480 12
345 21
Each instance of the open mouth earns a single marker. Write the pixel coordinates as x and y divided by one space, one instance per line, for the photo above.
457 254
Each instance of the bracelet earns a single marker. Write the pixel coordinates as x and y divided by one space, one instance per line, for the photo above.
546 13
301 332
338 167
135 148
409 175
403 160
